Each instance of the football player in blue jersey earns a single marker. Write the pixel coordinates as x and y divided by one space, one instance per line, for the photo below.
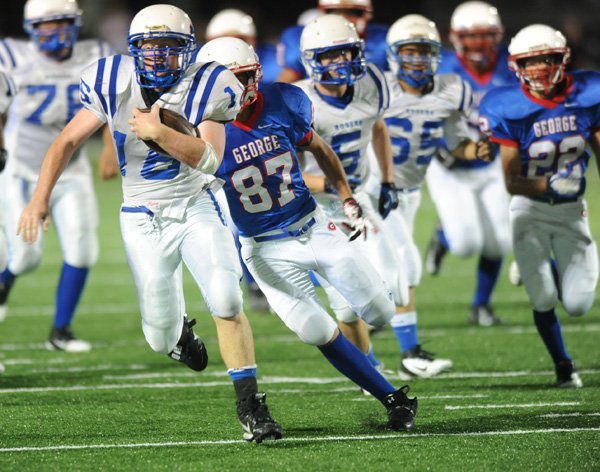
283 233
168 209
543 128
46 70
359 13
475 221
235 23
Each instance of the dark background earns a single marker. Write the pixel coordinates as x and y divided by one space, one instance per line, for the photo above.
579 20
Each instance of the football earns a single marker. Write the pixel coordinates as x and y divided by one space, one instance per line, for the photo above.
174 121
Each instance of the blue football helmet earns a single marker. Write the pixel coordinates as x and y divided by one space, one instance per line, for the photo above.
328 35
152 66
52 41
415 69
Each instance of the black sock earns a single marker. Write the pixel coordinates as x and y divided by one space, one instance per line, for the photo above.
245 387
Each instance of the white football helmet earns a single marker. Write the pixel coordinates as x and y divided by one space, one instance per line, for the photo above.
363 9
231 22
476 31
240 58
535 41
161 22
327 33
416 70
52 41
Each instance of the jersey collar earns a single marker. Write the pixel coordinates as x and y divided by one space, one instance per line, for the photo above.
338 102
484 78
248 124
557 99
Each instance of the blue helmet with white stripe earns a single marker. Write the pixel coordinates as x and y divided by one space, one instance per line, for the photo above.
335 38
161 41
56 39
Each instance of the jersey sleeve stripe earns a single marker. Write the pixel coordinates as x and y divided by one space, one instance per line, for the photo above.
112 87
379 87
98 84
505 142
8 54
193 89
206 93
461 107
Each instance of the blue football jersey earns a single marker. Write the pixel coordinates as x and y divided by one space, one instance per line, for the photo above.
267 54
263 181
290 55
499 76
549 133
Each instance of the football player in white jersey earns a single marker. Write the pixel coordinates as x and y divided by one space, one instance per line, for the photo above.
475 221
425 109
46 72
7 92
169 212
350 98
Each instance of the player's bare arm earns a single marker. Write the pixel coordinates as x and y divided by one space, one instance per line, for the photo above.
108 164
383 150
331 165
472 150
515 183
77 131
188 149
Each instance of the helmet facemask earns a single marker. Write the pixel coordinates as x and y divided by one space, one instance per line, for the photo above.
415 61
249 76
478 45
349 69
541 71
161 66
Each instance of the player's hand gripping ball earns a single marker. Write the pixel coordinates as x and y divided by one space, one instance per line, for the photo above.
174 121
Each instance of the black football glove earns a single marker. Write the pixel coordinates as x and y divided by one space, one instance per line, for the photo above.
388 199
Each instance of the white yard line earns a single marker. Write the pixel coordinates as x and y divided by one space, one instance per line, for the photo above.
566 415
226 442
509 405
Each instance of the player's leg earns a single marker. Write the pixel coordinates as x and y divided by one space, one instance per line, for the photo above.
493 214
532 248
217 271
3 256
22 257
282 271
75 214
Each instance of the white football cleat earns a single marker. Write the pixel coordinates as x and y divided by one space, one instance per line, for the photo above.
514 274
64 340
417 363
567 376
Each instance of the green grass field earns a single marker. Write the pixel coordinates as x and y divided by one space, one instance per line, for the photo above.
123 407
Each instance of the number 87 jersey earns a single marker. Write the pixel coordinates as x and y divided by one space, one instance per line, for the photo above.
550 134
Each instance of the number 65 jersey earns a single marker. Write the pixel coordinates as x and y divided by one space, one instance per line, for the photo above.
47 98
549 133
109 89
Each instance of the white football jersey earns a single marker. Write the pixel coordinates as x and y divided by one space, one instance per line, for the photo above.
110 90
418 125
348 128
47 98
7 91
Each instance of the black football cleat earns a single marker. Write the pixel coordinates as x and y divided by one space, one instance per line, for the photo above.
4 291
401 410
435 254
190 349
567 376
256 420
63 339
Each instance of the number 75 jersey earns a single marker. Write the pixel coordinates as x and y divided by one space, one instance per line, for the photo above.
549 133
47 98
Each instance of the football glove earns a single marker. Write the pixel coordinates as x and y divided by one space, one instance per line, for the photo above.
388 199
357 224
569 181
485 150
3 156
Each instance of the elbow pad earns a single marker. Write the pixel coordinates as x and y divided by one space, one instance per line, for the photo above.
209 162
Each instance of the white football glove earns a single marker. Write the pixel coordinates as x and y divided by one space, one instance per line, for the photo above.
357 224
567 182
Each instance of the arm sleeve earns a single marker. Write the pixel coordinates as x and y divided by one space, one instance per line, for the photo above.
90 91
215 95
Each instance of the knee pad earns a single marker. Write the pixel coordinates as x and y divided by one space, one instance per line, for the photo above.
378 311
26 260
161 336
314 327
224 295
579 304
83 250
